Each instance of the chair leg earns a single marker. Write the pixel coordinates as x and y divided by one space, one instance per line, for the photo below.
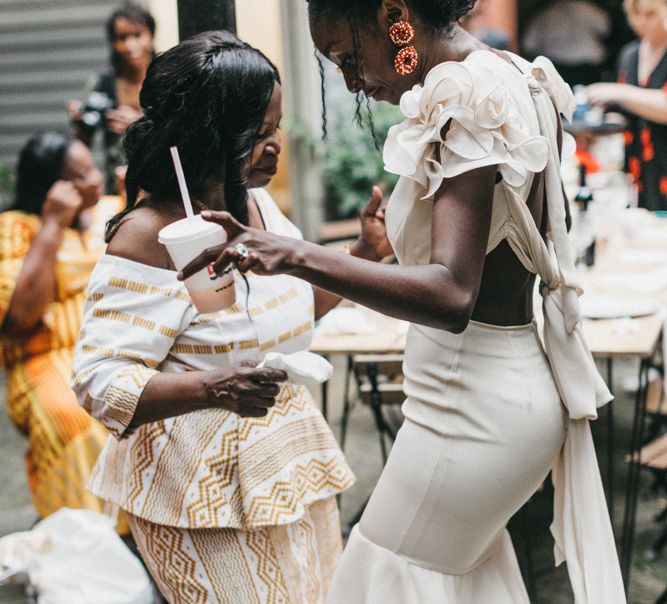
347 405
379 422
376 403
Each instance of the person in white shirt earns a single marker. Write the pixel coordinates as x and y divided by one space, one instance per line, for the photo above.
572 34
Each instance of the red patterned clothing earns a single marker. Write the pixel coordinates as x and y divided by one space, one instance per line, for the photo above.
646 142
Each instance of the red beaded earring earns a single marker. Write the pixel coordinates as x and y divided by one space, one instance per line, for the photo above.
407 59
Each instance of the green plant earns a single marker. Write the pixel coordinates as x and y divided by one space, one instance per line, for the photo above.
352 164
6 186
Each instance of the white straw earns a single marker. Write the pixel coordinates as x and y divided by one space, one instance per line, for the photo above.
187 204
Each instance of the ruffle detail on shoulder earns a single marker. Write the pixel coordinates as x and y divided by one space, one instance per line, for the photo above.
484 127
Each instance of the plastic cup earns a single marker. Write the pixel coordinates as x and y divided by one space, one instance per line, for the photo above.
184 240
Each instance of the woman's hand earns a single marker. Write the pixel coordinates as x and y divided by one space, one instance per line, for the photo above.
74 111
118 120
62 204
267 253
372 244
606 93
243 389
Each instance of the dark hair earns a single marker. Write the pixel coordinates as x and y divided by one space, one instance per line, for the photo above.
436 14
40 165
360 14
134 13
207 96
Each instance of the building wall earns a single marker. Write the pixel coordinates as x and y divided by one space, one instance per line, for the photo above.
48 51
265 33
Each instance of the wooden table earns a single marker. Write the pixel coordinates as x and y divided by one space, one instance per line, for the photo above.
647 235
642 345
388 338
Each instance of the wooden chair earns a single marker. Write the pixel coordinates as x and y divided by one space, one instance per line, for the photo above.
379 381
653 457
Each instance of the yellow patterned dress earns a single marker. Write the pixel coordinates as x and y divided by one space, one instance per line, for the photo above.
63 441
223 508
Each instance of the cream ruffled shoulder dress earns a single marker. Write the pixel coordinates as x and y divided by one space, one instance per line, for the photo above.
490 411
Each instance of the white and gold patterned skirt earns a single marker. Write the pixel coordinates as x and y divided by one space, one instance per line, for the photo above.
288 564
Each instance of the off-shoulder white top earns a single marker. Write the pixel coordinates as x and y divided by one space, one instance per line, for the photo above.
209 468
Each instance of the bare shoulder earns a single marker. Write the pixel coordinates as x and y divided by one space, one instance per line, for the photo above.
136 238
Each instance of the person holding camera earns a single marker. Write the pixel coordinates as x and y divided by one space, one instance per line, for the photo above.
50 240
112 100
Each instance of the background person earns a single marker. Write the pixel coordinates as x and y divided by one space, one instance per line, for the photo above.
641 93
572 33
114 102
49 242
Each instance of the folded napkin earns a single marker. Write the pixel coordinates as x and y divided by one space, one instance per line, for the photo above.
346 321
301 367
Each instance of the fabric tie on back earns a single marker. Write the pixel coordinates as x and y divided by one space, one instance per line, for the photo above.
583 535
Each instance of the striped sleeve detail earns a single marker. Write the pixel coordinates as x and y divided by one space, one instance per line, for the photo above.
120 400
132 317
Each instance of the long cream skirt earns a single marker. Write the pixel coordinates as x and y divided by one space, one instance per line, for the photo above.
483 425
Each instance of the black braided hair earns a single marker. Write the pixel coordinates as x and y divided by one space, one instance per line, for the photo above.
438 15
40 165
323 94
207 96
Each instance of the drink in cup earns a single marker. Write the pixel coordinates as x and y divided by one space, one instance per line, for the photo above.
184 240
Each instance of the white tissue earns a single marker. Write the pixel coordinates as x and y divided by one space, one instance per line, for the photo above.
301 367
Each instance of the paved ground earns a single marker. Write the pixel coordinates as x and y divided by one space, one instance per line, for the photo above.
551 585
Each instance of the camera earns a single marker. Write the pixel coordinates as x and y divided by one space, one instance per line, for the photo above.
93 110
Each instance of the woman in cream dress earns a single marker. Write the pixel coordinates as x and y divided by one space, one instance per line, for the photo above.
489 411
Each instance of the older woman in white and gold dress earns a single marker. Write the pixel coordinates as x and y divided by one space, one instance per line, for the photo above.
228 473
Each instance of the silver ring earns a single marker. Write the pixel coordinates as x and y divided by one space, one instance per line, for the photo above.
242 251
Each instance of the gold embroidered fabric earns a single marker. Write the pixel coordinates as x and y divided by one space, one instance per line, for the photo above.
207 469
271 565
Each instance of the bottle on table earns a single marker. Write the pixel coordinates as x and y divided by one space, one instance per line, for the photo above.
585 226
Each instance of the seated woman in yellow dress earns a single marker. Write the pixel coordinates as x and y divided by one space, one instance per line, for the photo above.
49 242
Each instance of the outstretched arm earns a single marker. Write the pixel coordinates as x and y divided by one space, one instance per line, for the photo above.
440 294
372 244
649 104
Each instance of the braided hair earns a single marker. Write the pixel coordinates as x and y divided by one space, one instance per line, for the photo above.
207 96
437 15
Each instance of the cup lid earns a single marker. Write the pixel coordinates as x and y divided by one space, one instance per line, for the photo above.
187 229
